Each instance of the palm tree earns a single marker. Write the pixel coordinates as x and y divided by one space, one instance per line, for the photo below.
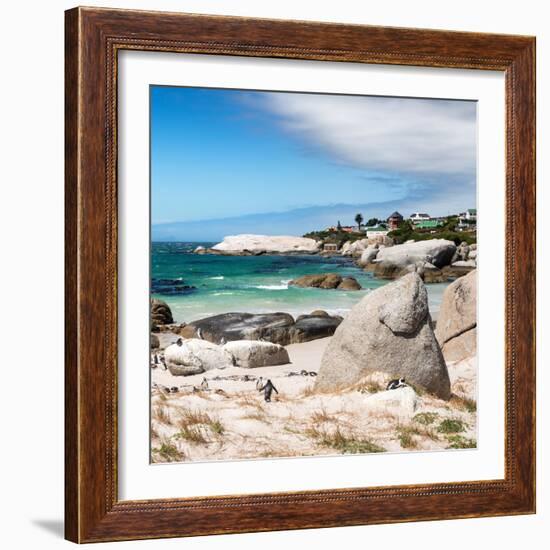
339 226
359 221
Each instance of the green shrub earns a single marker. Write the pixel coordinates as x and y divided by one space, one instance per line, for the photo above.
451 426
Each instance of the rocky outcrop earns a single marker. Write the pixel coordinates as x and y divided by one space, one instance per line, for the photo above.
253 353
390 331
464 263
368 255
461 253
380 240
457 321
327 281
171 287
392 262
243 245
354 248
160 314
278 328
195 356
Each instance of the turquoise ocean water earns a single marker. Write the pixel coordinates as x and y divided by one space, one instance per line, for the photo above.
253 284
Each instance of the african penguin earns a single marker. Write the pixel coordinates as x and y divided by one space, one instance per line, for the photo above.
395 384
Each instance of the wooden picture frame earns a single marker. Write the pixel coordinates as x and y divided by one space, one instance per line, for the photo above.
93 511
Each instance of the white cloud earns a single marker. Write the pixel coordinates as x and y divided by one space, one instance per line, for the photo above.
417 137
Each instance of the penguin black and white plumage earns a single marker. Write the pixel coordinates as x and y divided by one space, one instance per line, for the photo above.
199 334
222 341
179 342
259 383
204 384
268 389
395 384
156 359
174 389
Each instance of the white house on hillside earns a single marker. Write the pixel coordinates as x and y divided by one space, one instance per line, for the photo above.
419 217
377 231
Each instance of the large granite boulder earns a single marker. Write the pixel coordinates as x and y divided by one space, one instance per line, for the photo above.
253 353
327 281
195 356
312 327
391 262
389 330
227 327
263 244
160 313
457 321
278 328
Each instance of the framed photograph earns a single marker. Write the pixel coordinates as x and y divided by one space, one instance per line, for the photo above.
300 275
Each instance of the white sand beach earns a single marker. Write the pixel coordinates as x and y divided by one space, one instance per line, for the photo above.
230 419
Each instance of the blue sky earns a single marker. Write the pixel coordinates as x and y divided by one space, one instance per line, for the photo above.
229 161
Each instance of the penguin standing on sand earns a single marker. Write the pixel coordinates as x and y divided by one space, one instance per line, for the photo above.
179 342
259 383
199 334
268 389
204 384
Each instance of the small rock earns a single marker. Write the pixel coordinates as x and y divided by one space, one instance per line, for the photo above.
349 283
326 281
155 342
160 313
402 401
319 313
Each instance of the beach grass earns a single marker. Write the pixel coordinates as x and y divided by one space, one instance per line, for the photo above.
460 442
161 415
426 418
344 443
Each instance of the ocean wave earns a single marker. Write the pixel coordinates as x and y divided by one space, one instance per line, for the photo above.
217 278
283 286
